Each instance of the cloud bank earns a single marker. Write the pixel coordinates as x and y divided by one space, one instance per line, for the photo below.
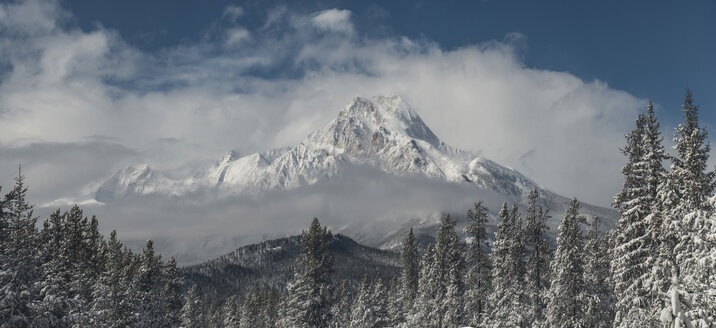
83 103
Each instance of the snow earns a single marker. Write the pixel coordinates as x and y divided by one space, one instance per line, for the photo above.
382 132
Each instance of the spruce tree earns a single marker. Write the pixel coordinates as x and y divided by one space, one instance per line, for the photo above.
568 291
19 268
478 279
109 305
632 243
447 274
363 315
171 284
508 306
308 297
342 305
409 276
692 183
424 313
193 313
538 259
600 303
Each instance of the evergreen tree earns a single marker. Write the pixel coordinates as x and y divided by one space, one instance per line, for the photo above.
109 305
632 243
171 294
538 259
379 305
508 306
478 277
230 313
409 276
362 315
342 306
691 184
600 304
193 312
568 292
19 267
149 288
307 304
424 313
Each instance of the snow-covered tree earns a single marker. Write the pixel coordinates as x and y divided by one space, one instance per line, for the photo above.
690 183
409 275
342 305
600 302
307 294
539 256
478 276
424 313
568 291
450 267
19 267
632 243
230 315
363 315
193 313
508 304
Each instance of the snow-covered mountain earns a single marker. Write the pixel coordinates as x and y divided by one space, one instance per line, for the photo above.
379 132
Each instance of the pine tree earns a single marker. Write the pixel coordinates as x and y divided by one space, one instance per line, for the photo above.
148 285
171 294
362 315
632 243
409 276
508 272
692 185
109 305
342 306
379 305
600 303
230 313
193 312
568 292
450 267
478 277
307 304
424 312
19 267
538 259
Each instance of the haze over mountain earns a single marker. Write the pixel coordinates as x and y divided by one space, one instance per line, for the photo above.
380 136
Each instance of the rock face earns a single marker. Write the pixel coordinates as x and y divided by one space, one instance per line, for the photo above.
379 132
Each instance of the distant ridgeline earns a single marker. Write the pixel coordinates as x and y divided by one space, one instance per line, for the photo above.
656 268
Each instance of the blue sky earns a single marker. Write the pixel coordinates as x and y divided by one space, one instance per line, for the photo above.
547 87
651 49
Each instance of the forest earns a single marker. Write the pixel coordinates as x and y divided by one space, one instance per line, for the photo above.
656 268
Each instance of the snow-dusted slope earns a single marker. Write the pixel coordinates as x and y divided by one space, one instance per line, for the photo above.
379 132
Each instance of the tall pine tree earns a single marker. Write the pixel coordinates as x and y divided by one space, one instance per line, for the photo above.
568 291
539 256
307 302
478 279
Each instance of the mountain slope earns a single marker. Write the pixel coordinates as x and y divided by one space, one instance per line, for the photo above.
380 132
272 263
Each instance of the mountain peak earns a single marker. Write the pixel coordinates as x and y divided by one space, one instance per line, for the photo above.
374 121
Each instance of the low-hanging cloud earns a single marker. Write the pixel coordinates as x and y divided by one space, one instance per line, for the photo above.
181 107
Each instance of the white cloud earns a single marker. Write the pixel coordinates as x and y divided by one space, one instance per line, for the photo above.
237 35
233 12
181 107
334 20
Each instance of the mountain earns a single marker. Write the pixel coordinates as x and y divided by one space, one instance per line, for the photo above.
380 132
272 262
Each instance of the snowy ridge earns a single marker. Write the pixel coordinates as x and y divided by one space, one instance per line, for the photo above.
383 132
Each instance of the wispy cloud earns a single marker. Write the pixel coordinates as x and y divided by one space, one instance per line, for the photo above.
276 84
334 20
